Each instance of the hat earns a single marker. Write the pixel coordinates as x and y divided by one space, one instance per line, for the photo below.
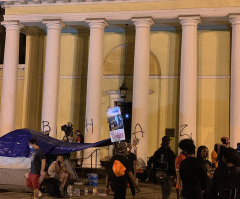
166 139
225 139
122 146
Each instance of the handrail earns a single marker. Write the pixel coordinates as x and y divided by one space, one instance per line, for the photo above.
95 151
90 154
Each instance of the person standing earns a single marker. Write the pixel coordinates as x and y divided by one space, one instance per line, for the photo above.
164 165
38 163
202 155
132 159
134 145
182 144
80 139
120 170
193 174
226 179
214 155
225 142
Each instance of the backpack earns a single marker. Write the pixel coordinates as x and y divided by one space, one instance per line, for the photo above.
228 184
161 168
50 186
118 168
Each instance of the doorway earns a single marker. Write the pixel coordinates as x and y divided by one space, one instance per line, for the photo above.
126 111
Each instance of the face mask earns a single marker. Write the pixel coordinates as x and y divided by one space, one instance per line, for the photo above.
31 147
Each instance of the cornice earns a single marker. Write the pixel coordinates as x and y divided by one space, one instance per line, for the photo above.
21 3
212 14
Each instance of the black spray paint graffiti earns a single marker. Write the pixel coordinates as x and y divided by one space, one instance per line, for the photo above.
89 124
46 124
141 131
182 129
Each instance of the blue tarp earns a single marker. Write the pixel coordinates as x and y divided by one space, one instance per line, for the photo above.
16 144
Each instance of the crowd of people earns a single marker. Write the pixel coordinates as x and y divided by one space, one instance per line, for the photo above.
195 176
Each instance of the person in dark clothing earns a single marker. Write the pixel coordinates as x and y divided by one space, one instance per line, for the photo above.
238 148
80 138
149 170
193 174
38 163
225 141
182 144
226 179
202 155
132 159
121 170
164 166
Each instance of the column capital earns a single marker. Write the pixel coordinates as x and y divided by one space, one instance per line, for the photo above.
12 25
54 24
189 20
146 22
97 23
234 19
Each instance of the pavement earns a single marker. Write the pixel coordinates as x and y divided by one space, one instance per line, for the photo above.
148 191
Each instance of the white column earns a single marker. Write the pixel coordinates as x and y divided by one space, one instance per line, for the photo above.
51 75
10 77
188 78
94 87
141 83
235 82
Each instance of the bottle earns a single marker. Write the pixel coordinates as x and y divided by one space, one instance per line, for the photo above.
86 191
75 193
69 189
95 191
78 192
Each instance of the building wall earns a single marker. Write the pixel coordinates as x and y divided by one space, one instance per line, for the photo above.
126 6
213 80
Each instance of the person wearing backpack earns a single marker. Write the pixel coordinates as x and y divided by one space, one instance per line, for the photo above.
119 173
164 167
193 174
226 178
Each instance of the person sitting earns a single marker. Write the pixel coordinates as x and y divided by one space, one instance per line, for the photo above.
58 171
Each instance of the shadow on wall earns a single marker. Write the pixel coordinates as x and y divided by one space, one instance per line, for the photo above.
33 85
173 94
79 89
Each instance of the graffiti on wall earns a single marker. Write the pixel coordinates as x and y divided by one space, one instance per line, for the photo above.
140 130
89 124
183 129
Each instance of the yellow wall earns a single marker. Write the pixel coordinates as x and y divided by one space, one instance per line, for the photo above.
212 98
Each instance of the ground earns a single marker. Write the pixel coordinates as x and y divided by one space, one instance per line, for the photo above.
148 191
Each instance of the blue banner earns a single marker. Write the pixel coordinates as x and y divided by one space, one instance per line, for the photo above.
16 144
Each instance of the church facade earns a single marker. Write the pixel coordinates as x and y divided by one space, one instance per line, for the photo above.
179 59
